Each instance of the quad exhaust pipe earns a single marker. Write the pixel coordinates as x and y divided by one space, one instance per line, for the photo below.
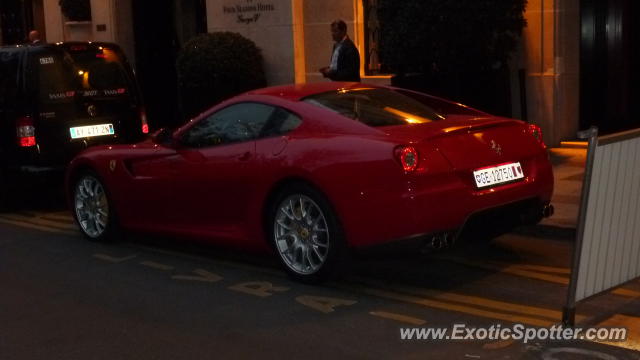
547 210
439 241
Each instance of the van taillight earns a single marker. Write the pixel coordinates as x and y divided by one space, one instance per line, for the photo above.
143 119
25 132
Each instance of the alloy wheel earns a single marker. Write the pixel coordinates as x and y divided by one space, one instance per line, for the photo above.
301 234
91 206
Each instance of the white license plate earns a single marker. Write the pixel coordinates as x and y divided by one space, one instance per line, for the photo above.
498 174
91 131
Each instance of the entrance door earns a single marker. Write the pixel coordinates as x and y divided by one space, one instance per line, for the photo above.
160 29
609 65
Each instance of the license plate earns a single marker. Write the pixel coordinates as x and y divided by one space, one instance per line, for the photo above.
498 174
91 131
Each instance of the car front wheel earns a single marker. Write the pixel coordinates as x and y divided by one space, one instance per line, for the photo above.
92 209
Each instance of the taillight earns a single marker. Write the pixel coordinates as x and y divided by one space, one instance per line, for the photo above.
143 119
536 132
25 132
408 157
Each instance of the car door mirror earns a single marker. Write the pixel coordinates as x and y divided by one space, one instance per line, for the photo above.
166 137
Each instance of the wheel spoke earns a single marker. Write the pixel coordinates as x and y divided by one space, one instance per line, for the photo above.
309 260
284 226
315 250
289 215
303 211
315 242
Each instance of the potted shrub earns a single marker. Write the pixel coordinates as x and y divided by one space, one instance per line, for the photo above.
213 67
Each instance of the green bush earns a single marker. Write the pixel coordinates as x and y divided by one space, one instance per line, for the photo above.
76 10
216 66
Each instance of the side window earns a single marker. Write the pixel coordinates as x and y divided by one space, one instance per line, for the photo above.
8 78
280 123
53 76
236 123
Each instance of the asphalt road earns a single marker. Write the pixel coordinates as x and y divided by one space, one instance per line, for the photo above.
63 297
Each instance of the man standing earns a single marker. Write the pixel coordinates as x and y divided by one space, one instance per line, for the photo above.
34 37
345 60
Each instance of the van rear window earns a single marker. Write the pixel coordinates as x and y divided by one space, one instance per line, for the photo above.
54 78
100 71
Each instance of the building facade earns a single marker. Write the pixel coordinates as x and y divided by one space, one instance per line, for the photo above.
295 40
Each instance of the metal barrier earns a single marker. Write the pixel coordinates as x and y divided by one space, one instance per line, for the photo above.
607 248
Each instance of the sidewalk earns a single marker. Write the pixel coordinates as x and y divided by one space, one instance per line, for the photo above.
568 170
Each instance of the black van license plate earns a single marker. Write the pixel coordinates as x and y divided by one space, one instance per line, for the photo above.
91 131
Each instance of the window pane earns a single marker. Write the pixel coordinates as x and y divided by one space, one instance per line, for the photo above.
55 77
100 69
376 107
281 122
236 123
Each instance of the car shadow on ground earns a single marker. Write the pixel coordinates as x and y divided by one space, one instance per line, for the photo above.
45 195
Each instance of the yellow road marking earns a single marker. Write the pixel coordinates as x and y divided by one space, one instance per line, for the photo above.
29 225
156 265
39 221
473 300
398 317
508 269
631 323
264 270
449 306
202 275
258 288
540 268
518 270
63 219
323 304
500 344
626 292
113 259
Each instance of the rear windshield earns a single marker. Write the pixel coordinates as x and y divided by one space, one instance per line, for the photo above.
99 71
55 79
376 107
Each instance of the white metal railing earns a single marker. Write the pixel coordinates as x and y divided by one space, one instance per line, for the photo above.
607 248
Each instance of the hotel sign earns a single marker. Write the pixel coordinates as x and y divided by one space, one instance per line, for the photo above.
248 11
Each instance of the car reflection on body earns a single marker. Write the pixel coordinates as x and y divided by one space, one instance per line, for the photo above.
310 171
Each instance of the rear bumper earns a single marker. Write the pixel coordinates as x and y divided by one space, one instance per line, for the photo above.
446 201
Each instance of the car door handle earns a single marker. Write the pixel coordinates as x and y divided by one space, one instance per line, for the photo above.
246 156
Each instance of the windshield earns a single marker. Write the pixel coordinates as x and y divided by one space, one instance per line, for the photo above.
99 70
376 107
54 78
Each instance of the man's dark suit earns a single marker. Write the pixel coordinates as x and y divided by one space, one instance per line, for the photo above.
348 65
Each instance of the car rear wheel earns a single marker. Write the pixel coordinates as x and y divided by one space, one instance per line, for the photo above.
92 208
306 234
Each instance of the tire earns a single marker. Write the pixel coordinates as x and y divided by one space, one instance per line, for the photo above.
92 208
306 234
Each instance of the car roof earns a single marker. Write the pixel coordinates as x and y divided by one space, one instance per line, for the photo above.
298 91
64 45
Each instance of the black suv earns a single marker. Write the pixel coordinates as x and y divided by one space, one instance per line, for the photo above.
58 99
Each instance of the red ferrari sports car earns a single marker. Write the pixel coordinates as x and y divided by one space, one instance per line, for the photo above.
312 170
